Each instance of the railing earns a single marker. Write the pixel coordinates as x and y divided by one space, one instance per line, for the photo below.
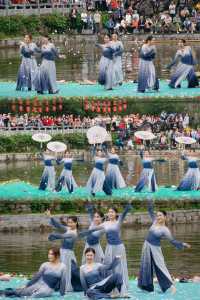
34 129
9 9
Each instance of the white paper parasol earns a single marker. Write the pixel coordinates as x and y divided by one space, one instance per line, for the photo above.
56 147
41 137
96 135
185 140
145 135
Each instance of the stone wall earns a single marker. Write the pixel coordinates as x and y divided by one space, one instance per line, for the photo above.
35 222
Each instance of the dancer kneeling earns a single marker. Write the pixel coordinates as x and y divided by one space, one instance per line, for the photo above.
95 279
191 180
185 67
51 277
152 257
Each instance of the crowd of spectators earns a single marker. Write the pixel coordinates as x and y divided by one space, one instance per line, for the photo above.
165 126
137 16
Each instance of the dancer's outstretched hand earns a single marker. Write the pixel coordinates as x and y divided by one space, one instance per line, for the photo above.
186 245
48 213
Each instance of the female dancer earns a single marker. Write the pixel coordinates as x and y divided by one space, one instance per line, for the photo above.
48 176
96 218
96 182
106 65
191 180
147 177
95 279
46 76
115 246
51 277
119 48
28 67
113 175
67 256
152 257
185 67
147 76
66 180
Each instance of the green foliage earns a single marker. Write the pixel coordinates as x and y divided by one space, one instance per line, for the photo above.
53 23
24 143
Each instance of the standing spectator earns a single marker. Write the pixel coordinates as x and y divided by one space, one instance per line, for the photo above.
84 17
110 25
172 10
97 21
73 17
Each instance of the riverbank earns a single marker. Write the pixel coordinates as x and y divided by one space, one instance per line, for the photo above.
40 222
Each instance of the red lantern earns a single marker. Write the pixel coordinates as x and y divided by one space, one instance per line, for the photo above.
108 103
109 109
60 100
34 109
60 107
86 104
93 106
21 108
13 107
28 109
28 102
125 105
47 109
104 110
39 109
54 108
119 108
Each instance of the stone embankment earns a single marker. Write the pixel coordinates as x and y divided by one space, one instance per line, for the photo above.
40 222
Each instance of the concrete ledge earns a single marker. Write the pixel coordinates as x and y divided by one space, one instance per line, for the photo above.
40 222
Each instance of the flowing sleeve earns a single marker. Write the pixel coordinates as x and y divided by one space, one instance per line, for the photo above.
63 281
37 276
177 244
104 268
83 281
56 224
60 236
84 233
175 60
99 46
119 51
150 207
125 212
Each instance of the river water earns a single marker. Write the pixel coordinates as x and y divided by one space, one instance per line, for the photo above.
23 253
82 59
167 173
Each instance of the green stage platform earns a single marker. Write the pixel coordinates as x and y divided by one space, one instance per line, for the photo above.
70 89
22 191
185 291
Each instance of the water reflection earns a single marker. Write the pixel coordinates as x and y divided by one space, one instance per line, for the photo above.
168 173
82 60
23 253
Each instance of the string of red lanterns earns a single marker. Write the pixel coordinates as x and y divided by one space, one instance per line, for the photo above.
105 106
36 106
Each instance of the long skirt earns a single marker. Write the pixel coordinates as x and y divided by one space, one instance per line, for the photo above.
147 76
191 180
103 289
114 177
118 69
181 73
73 282
110 253
48 179
46 77
38 290
153 260
107 73
147 179
66 181
96 182
99 255
26 74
